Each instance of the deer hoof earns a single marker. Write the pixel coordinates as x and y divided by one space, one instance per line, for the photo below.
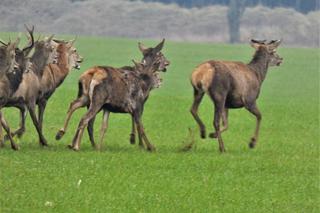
222 150
15 147
1 144
252 144
151 149
59 134
132 139
44 143
203 134
213 135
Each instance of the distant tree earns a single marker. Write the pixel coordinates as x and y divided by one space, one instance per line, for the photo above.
235 12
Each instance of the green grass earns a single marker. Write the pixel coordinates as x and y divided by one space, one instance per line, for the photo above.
280 175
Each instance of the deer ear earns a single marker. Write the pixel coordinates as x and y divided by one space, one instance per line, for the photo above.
142 48
255 44
73 40
273 44
159 47
15 44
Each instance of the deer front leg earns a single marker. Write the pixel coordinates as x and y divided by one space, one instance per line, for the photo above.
41 108
19 132
7 129
31 108
255 111
142 134
76 104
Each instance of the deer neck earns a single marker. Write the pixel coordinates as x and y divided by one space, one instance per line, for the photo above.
38 62
147 83
259 64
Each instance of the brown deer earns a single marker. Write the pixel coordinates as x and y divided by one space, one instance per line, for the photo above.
51 78
121 91
94 75
8 83
26 94
233 85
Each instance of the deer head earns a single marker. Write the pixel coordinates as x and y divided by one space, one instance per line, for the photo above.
154 53
268 50
7 57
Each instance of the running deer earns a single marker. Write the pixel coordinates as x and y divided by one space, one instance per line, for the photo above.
94 76
27 92
120 92
233 85
52 76
8 69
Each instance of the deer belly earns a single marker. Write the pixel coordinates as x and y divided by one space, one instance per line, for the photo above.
234 101
115 108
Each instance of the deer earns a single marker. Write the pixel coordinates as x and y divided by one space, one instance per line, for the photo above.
231 85
9 79
118 93
93 75
26 94
52 76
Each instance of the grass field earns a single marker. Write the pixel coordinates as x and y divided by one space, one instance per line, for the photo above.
280 175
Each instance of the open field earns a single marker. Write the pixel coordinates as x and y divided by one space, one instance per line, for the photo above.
280 175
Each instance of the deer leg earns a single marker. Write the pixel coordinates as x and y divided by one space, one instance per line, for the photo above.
7 129
142 134
255 111
133 132
198 95
31 108
93 110
1 136
219 100
76 104
19 132
90 129
224 124
104 125
41 108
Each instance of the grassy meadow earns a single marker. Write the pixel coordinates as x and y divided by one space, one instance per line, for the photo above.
280 175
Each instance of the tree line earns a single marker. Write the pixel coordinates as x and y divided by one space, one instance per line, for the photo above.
299 5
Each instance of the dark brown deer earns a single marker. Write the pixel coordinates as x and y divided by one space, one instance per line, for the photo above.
96 74
233 85
119 93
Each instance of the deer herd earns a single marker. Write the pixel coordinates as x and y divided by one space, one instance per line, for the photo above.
30 75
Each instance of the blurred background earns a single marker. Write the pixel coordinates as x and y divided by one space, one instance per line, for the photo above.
234 21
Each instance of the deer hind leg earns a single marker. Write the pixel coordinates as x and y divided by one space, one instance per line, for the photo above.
7 129
104 125
133 132
90 129
93 110
255 111
198 95
224 123
219 105
76 104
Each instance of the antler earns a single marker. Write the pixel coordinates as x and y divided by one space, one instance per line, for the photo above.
29 47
